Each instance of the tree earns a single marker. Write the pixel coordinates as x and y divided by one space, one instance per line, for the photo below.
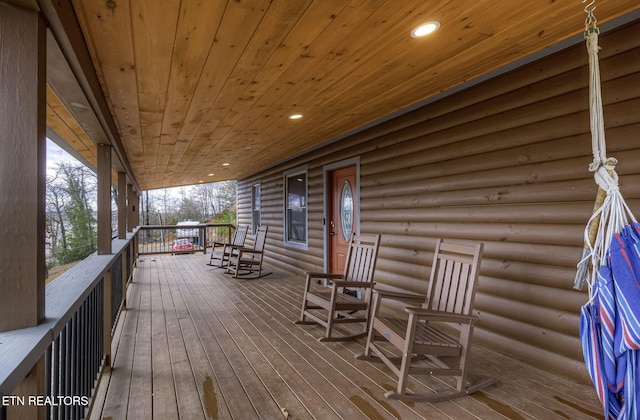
78 184
55 205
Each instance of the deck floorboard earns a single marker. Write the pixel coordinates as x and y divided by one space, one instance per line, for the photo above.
197 343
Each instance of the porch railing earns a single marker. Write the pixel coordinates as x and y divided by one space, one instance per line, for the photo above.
54 368
159 239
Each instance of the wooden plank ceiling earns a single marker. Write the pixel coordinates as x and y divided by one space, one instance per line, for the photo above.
200 87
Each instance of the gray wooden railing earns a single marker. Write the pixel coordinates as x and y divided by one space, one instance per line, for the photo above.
157 239
67 353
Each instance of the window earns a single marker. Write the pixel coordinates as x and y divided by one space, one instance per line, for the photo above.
255 208
296 208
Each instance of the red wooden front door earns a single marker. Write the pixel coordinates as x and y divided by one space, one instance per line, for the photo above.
342 215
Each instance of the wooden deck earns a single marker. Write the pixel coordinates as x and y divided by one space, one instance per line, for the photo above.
196 343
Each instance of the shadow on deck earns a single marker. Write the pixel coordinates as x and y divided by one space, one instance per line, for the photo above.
195 343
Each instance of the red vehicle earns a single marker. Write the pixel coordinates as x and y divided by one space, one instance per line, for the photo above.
182 246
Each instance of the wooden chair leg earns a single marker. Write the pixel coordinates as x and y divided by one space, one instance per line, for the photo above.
407 356
371 331
465 340
327 334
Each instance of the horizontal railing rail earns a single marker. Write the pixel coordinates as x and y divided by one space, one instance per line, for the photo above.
71 347
170 239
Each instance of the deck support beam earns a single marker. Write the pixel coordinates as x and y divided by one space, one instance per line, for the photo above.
104 199
23 183
122 205
131 208
22 167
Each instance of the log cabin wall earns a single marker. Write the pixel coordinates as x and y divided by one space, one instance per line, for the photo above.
504 162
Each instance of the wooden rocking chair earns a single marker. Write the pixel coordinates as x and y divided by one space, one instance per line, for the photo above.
246 261
331 305
421 338
224 252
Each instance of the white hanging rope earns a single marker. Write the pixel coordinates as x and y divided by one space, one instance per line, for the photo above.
598 143
613 213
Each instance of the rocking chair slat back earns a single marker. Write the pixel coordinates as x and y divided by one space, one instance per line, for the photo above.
361 259
453 274
240 235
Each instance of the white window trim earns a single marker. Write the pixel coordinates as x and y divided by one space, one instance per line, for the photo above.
254 228
301 170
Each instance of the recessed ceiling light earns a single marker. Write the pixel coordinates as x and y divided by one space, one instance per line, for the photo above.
425 29
295 116
210 175
226 164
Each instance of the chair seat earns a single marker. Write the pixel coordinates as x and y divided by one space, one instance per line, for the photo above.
343 300
425 334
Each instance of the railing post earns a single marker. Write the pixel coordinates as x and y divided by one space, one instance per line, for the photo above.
136 250
204 240
107 319
31 386
126 260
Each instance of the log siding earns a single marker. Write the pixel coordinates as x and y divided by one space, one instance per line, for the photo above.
504 162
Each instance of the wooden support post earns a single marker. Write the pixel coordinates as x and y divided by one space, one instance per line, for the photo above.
130 210
104 199
122 205
22 183
22 167
106 318
135 208
31 386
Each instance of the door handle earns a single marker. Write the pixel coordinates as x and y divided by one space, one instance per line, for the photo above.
332 234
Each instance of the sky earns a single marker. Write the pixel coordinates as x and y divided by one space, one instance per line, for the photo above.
55 154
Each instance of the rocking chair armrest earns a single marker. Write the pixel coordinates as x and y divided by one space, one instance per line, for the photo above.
399 295
323 275
248 251
439 316
346 283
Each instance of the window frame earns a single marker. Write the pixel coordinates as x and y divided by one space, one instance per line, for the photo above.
304 173
256 207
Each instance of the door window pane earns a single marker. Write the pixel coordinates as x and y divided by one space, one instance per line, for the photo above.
346 211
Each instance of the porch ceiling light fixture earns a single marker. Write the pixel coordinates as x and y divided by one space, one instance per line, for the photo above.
425 29
295 116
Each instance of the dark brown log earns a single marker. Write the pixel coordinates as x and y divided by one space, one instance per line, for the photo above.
504 163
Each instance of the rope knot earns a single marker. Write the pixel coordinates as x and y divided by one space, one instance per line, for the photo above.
607 178
592 43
